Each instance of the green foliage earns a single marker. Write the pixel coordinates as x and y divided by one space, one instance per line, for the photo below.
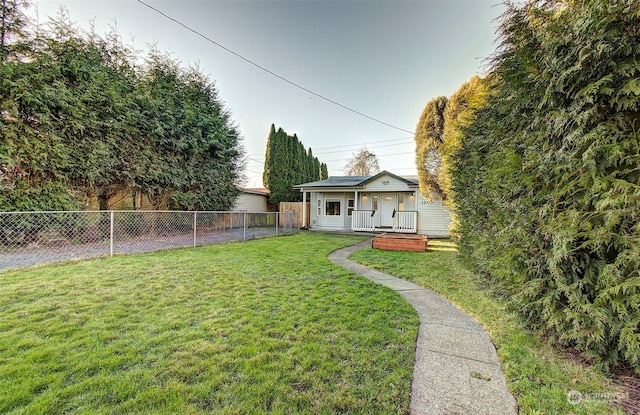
546 180
197 164
12 28
459 112
287 164
79 117
429 137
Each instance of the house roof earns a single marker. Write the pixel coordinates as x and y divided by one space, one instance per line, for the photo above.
257 191
354 181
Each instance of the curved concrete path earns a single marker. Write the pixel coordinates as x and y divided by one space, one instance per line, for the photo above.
457 370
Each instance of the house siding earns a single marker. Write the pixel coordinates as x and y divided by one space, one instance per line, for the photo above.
433 218
315 219
252 203
386 184
334 221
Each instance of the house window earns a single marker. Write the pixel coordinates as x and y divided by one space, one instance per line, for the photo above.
374 202
332 207
400 202
319 207
350 206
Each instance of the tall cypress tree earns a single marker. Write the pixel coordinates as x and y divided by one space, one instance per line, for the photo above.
429 137
288 163
269 161
324 171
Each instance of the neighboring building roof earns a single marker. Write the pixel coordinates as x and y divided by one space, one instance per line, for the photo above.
257 191
354 181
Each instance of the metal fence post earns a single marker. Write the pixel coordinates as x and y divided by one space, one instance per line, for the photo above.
111 235
277 218
244 226
195 226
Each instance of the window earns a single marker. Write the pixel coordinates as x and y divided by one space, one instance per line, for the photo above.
332 207
350 206
400 202
319 207
375 202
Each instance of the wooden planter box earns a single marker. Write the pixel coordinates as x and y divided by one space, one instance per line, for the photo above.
400 242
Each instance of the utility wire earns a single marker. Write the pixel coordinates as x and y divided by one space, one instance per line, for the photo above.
365 144
353 145
369 148
382 155
282 78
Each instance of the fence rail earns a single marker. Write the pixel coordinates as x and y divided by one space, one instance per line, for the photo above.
28 238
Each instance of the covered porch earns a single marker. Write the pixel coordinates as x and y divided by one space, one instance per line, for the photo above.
401 222
359 211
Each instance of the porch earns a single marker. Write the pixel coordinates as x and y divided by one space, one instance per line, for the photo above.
402 221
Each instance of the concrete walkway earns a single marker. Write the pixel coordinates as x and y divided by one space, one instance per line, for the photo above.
457 370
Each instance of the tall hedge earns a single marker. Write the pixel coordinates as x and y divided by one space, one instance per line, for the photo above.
547 178
80 117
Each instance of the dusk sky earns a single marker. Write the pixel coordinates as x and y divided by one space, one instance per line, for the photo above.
385 59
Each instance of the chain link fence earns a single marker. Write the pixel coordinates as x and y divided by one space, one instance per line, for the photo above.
28 238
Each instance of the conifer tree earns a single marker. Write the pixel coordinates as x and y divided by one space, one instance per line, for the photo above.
546 177
287 164
78 118
429 137
324 171
13 23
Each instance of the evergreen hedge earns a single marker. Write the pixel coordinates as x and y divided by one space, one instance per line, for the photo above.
546 178
80 116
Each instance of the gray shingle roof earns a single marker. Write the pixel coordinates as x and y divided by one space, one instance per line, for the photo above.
353 181
336 181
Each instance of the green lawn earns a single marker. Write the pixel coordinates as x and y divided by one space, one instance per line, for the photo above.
266 326
539 377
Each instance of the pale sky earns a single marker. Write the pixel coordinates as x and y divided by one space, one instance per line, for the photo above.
385 59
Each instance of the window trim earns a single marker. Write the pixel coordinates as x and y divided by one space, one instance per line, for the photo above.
351 206
332 200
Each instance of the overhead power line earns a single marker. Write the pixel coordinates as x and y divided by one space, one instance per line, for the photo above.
382 155
270 72
369 148
353 145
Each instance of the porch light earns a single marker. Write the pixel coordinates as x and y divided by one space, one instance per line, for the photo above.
412 196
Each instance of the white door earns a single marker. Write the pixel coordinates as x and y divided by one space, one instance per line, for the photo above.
387 208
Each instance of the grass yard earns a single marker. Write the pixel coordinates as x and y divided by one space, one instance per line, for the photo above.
266 326
539 377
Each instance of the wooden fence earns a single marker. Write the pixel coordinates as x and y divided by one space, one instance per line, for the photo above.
297 207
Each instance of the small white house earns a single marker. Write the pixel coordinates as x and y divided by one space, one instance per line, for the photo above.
380 203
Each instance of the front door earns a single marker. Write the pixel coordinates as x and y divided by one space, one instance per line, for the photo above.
387 209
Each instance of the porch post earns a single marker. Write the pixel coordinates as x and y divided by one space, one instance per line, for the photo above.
304 208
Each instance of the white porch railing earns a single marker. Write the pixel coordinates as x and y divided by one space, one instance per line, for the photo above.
363 220
403 222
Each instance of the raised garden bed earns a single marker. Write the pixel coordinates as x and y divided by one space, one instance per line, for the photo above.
400 242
